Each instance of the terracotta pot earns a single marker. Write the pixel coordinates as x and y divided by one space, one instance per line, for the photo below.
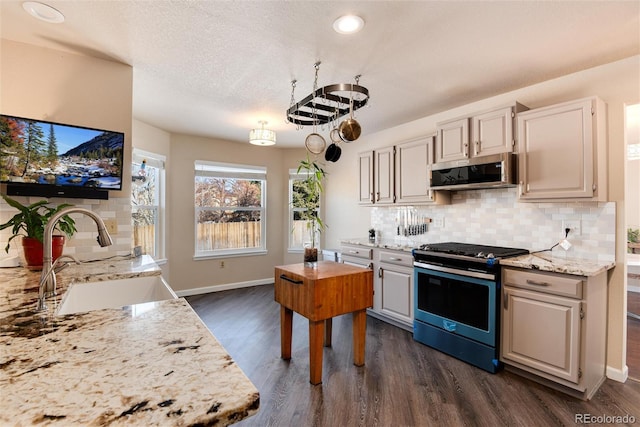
33 252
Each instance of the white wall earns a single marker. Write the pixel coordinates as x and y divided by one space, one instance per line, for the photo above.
56 86
616 83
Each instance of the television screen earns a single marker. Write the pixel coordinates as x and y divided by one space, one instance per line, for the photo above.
43 153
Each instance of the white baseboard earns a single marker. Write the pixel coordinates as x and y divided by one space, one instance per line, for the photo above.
225 287
617 374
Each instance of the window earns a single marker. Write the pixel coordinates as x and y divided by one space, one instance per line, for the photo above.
300 228
230 209
147 201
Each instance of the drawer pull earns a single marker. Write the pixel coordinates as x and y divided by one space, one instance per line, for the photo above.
536 283
295 282
395 259
354 252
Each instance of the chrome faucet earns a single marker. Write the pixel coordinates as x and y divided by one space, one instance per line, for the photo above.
47 285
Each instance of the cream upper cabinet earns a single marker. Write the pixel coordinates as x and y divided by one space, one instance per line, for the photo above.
563 152
413 161
483 134
554 326
399 174
452 140
365 170
384 163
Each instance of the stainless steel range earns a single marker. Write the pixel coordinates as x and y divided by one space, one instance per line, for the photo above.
457 291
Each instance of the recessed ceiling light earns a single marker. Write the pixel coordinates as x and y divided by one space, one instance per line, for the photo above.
43 12
348 24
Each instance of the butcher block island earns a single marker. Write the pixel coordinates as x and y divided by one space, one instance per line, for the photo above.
320 293
144 364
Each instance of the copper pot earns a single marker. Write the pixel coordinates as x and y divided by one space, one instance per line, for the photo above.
350 130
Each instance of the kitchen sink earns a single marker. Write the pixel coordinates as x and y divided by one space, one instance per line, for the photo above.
81 297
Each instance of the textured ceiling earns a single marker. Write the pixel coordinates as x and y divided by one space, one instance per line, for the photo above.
215 68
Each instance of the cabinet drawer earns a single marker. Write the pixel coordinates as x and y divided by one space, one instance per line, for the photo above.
396 257
357 251
550 283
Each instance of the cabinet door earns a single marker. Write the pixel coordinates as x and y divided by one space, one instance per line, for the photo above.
384 175
413 159
365 168
556 149
452 140
396 288
492 132
541 331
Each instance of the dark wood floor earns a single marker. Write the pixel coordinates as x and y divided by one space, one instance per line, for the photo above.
403 382
633 336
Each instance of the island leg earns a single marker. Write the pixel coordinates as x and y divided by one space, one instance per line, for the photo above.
328 327
316 332
286 325
359 335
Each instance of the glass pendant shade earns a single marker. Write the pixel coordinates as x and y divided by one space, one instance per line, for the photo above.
262 136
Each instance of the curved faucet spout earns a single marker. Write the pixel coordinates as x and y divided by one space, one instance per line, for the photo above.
47 286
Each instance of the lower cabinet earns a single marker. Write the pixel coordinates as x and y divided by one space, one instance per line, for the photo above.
393 287
554 328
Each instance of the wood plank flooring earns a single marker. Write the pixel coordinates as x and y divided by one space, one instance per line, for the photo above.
403 382
633 336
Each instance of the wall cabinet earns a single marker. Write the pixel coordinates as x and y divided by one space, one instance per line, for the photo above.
563 152
554 327
399 174
484 134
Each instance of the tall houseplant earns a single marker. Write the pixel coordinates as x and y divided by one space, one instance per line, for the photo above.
30 222
309 201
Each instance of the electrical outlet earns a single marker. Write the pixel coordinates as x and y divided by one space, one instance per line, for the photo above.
574 227
438 223
111 225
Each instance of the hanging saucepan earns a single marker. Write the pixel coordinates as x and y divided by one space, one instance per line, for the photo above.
350 128
333 153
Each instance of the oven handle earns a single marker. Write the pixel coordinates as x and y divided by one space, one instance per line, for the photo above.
459 272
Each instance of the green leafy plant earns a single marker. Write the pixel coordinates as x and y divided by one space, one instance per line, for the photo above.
32 219
309 199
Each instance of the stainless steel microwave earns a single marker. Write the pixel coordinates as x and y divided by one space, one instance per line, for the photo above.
493 171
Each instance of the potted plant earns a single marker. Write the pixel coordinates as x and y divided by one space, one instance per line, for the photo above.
30 222
309 200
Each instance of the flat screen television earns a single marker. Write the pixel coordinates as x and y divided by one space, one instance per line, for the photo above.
41 158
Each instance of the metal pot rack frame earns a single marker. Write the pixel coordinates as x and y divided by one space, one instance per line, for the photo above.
325 105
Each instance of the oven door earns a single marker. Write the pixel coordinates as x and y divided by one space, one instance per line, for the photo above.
456 302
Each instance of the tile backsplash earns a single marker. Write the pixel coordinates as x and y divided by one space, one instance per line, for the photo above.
495 217
83 244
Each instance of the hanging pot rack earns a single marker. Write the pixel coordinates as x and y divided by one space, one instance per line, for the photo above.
327 104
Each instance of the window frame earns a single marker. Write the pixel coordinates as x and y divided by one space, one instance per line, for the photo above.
237 171
295 176
157 161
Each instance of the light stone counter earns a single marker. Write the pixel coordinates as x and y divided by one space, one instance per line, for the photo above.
537 261
157 365
547 262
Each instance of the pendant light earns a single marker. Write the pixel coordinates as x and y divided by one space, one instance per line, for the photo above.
262 136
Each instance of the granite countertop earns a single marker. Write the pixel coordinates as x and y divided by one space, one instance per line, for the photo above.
383 244
536 261
547 262
130 366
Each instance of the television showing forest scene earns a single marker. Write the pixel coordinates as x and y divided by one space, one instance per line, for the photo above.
39 152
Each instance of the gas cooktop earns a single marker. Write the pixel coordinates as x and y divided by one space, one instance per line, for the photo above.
470 250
